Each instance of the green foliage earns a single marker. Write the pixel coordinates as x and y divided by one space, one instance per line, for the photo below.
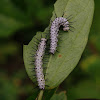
11 18
8 90
47 94
60 96
61 64
18 14
34 96
91 65
8 49
85 89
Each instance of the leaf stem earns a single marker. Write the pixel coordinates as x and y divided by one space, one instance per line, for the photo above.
40 95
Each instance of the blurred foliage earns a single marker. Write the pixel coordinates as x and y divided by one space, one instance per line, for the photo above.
60 96
19 21
84 89
46 96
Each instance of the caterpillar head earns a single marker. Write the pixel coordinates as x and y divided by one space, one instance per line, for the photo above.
66 26
43 39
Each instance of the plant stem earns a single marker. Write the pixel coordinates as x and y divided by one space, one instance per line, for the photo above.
40 95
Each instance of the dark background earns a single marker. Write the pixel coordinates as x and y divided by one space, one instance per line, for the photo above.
19 22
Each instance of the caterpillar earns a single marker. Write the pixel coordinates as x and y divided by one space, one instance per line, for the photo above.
54 29
38 63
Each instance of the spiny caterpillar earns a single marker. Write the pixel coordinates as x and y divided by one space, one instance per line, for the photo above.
54 31
38 63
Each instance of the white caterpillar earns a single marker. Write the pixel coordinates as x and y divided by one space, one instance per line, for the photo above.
54 31
38 63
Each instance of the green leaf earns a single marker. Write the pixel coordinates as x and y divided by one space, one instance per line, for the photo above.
60 96
73 43
61 64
